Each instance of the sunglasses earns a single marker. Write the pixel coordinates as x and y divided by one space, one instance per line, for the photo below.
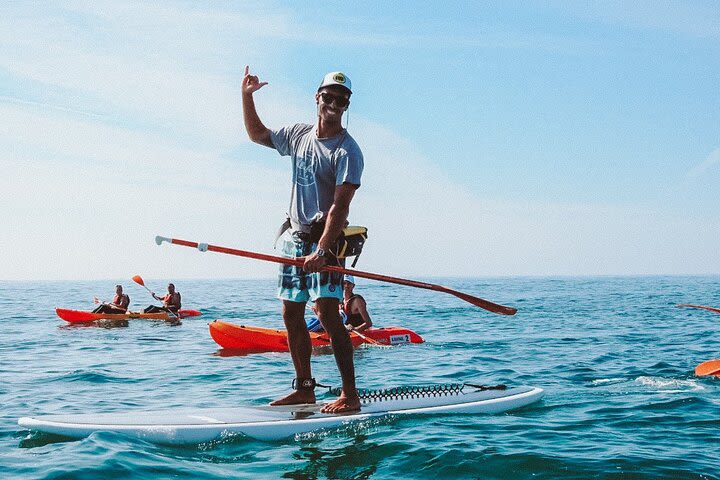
329 98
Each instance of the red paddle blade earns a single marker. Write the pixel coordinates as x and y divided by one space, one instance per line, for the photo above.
479 302
138 279
711 367
709 309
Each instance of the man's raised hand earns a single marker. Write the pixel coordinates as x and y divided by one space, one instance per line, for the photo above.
251 83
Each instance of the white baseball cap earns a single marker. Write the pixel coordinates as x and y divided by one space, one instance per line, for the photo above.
336 78
350 279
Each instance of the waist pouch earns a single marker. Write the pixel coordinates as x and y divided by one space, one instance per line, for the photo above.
351 241
349 244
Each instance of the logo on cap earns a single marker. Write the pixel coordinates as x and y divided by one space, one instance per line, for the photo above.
339 77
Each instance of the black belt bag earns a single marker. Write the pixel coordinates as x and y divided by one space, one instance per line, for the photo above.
351 241
349 244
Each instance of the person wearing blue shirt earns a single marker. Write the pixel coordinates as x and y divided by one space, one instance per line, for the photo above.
327 166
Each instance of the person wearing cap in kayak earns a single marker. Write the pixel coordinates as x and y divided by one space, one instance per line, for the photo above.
119 304
327 165
313 323
354 307
172 302
353 310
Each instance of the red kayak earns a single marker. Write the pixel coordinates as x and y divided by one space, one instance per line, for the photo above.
258 339
79 316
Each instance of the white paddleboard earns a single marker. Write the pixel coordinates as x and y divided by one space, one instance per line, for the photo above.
192 426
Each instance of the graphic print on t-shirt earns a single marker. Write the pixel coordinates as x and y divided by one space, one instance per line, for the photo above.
305 167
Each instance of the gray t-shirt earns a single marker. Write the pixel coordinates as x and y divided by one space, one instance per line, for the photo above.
319 165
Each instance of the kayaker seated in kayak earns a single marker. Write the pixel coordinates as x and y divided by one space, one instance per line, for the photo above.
353 310
313 323
354 307
119 304
171 301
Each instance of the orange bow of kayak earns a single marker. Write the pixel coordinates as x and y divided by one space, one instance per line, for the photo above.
711 367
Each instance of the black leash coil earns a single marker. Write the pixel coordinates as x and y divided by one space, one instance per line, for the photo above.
424 391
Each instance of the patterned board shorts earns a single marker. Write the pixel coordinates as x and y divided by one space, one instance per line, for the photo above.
296 285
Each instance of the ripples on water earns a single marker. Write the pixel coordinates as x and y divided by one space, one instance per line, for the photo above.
615 356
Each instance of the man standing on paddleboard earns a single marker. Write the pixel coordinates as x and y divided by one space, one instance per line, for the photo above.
327 165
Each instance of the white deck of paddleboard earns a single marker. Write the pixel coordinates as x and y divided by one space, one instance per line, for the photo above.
199 425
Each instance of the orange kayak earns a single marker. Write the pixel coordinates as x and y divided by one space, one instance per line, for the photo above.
79 316
711 367
258 339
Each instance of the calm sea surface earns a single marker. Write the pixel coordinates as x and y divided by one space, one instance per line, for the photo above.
615 356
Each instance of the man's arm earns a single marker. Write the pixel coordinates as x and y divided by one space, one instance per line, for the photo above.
337 215
256 130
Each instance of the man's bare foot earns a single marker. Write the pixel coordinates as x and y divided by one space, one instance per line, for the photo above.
295 398
342 405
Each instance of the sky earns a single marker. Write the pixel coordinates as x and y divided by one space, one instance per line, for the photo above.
500 138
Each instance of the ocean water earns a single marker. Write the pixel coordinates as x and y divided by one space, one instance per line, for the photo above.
614 354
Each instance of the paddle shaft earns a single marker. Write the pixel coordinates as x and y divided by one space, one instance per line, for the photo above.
300 261
369 340
101 302
366 338
139 280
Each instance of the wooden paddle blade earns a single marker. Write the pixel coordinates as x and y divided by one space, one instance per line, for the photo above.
484 304
138 279
703 307
711 367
